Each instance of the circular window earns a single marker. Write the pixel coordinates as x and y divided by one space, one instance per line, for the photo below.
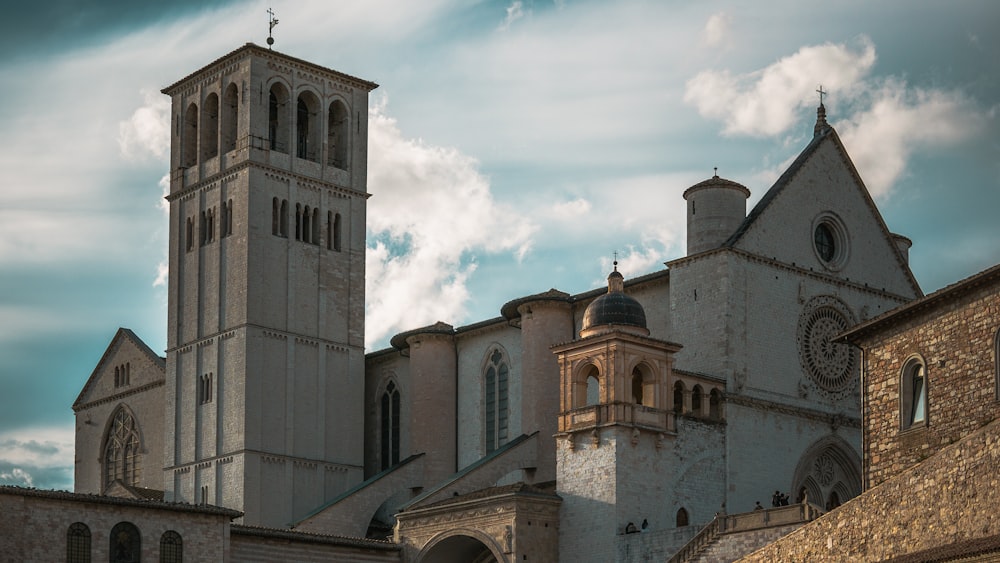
825 246
830 365
830 241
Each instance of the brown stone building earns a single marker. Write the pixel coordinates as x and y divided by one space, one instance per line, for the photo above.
931 381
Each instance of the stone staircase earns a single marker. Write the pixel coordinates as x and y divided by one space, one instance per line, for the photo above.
730 537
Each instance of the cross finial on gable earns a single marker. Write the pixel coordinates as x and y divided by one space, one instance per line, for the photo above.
821 124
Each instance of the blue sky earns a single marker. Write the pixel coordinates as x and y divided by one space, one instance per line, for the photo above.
515 145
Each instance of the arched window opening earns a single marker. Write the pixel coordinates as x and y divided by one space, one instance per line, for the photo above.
171 547
189 234
696 395
298 221
593 390
337 135
230 118
306 224
78 543
679 397
284 218
314 237
715 405
496 401
205 391
336 232
637 386
189 139
121 450
227 221
275 211
126 544
307 127
913 394
390 426
682 517
277 122
210 127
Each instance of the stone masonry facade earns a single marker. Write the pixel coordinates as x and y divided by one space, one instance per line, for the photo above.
949 498
957 344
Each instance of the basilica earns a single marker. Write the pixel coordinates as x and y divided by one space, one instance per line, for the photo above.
617 424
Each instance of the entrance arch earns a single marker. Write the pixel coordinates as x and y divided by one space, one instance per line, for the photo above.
461 546
829 472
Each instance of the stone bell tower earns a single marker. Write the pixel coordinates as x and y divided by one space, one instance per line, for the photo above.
265 351
614 421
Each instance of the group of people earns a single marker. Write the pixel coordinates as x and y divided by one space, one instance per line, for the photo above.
777 499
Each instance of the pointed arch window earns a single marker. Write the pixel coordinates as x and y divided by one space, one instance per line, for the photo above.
121 450
78 543
682 517
171 547
126 544
496 416
390 426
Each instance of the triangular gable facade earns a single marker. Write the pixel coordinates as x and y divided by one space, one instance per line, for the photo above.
823 187
127 351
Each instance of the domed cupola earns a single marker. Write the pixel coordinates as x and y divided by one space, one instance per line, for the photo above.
614 309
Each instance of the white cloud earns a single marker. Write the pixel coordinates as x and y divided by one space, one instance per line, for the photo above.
899 120
767 102
571 210
48 447
147 131
514 12
432 210
717 29
17 476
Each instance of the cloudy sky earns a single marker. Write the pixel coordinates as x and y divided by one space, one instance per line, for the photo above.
514 147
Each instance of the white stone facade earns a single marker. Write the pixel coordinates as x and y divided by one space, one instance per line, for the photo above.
271 407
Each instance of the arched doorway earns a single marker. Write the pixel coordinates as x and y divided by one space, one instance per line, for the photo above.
459 548
828 473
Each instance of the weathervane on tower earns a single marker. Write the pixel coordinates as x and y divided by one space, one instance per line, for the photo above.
272 21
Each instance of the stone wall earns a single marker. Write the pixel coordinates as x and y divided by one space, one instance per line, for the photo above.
35 523
956 343
947 499
141 397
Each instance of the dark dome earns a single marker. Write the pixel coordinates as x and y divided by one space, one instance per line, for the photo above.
614 307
